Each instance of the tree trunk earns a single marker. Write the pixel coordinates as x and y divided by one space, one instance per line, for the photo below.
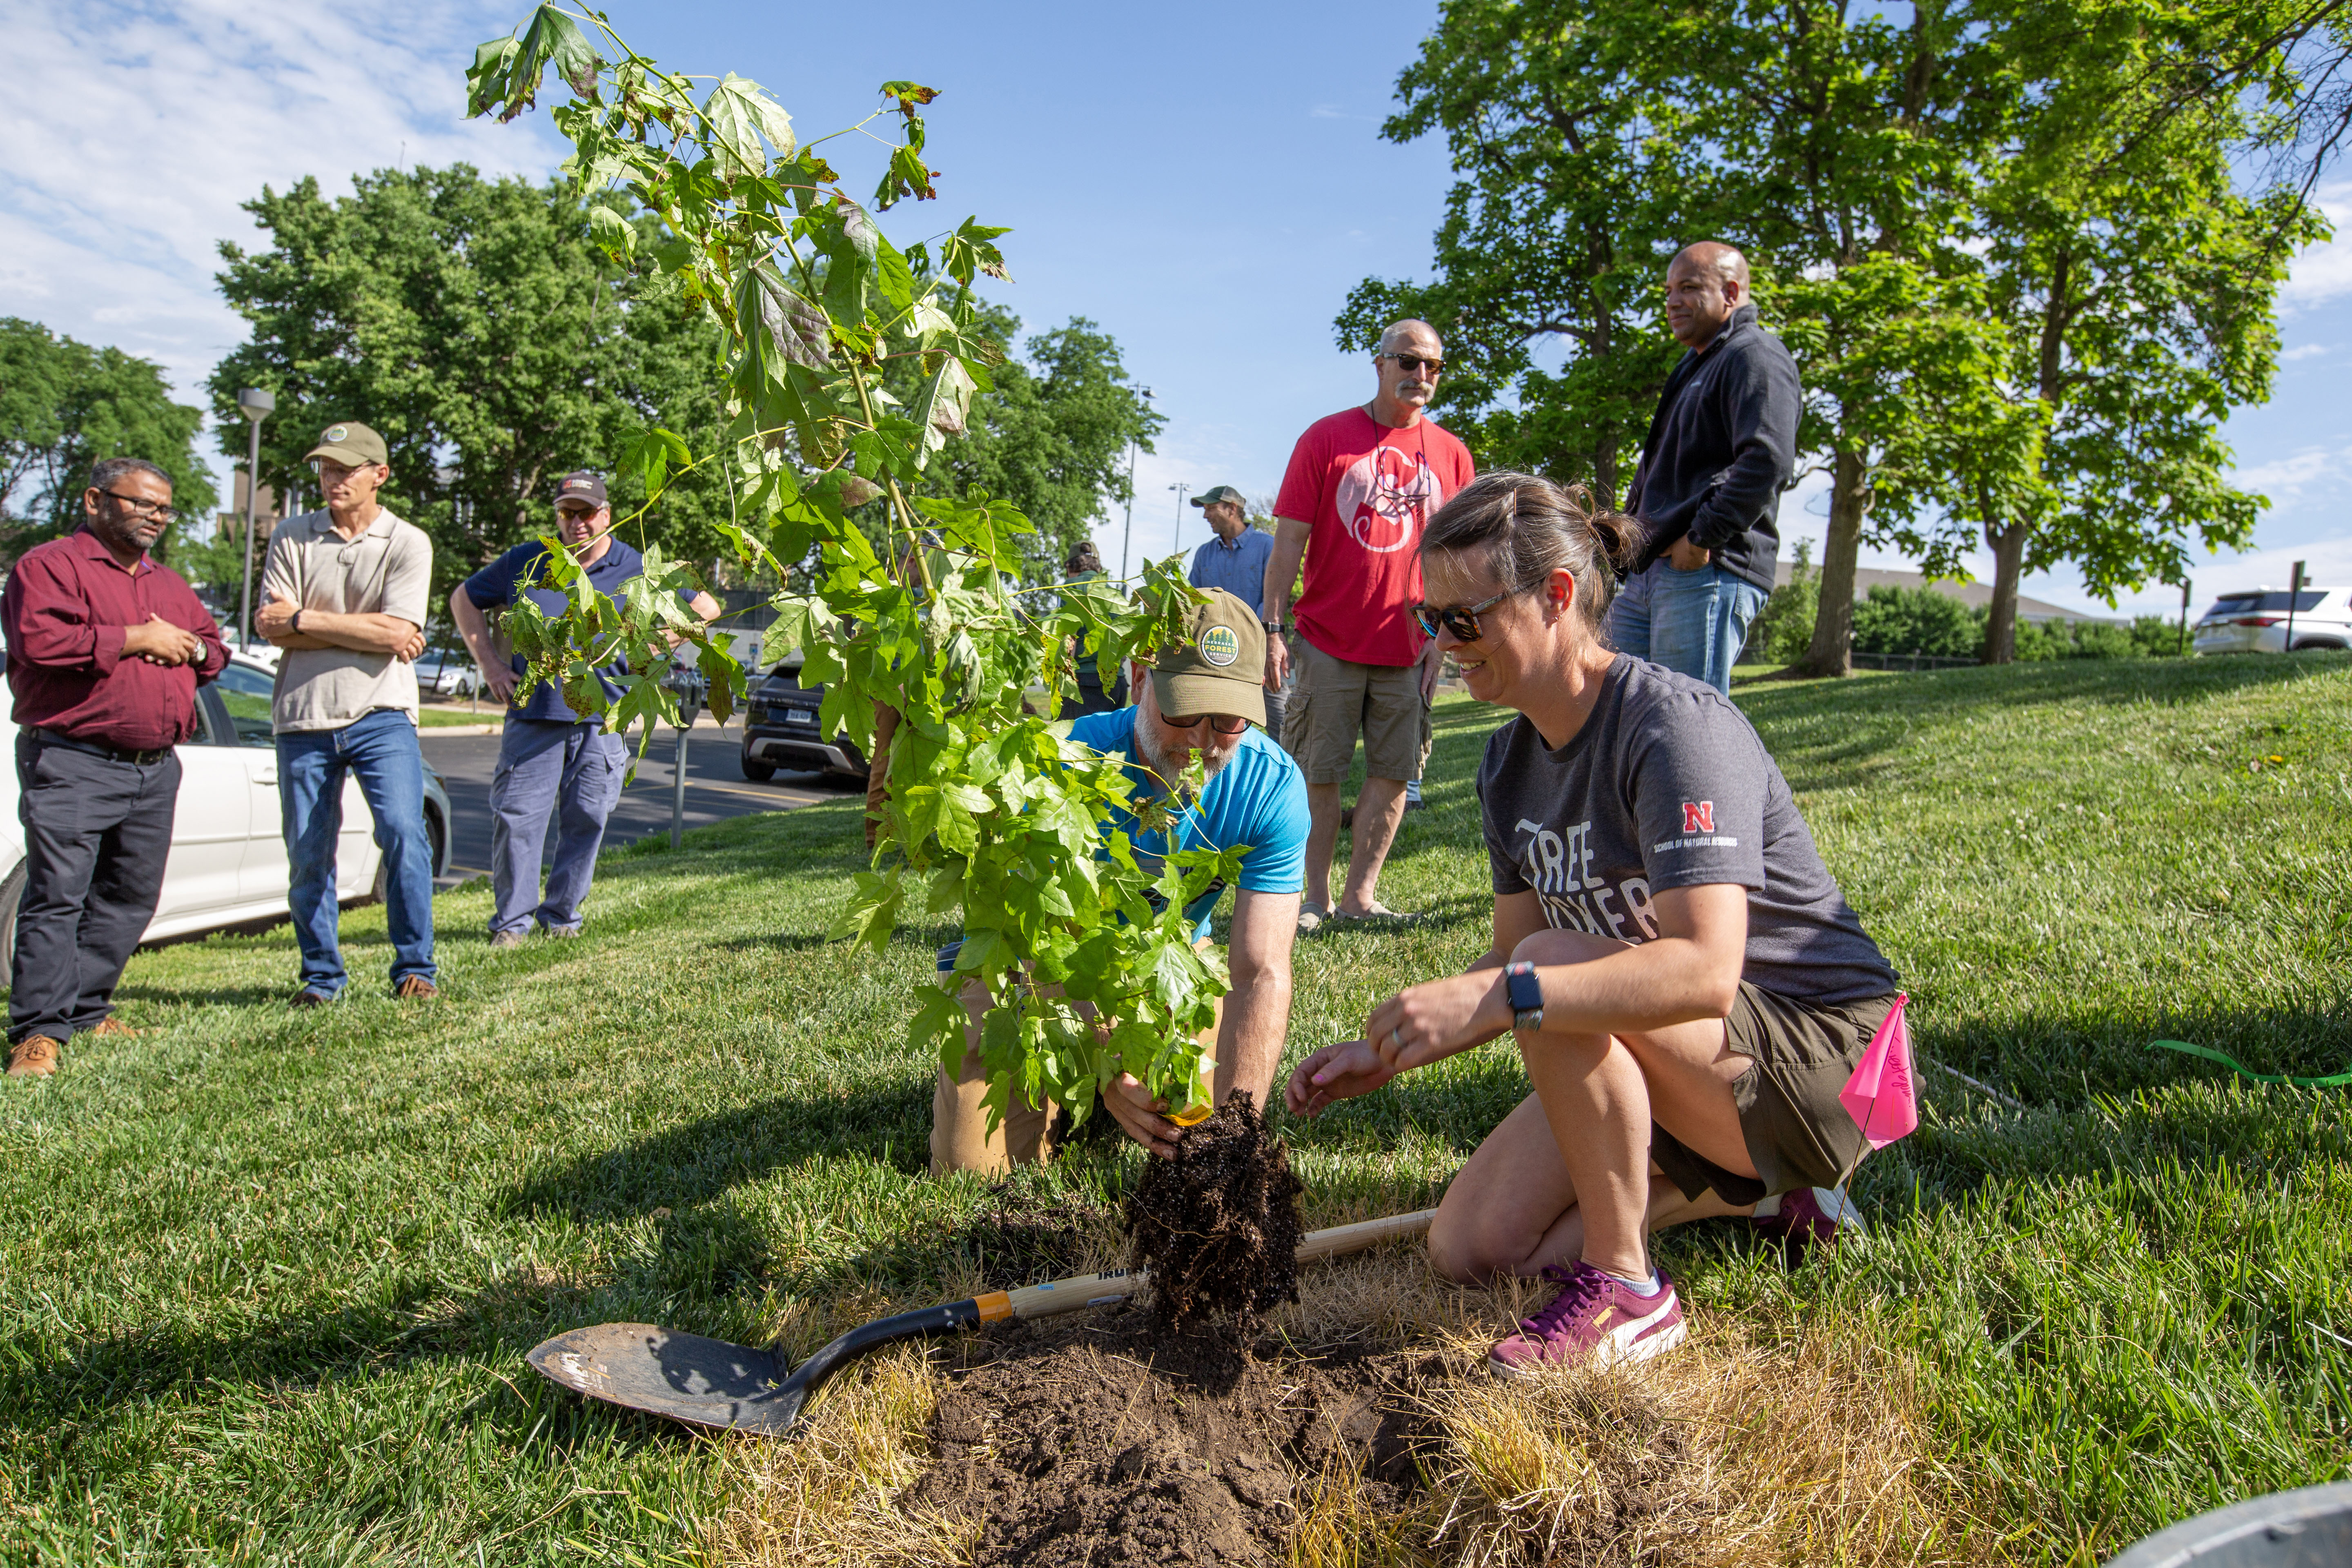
2000 622
1833 651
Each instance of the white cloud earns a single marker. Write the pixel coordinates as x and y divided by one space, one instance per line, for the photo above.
2284 480
135 132
2304 351
2324 271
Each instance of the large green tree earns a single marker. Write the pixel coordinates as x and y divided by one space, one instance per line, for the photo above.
472 324
2133 281
64 404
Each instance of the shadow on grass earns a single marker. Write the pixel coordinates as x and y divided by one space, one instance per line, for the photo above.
693 1163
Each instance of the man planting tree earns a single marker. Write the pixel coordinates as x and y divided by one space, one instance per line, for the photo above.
1201 697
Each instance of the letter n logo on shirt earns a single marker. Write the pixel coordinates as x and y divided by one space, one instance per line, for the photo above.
1698 816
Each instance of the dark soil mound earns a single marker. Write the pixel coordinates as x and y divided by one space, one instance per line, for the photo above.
1218 1224
1100 1441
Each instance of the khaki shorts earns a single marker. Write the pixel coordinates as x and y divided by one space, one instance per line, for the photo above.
1337 698
1796 1128
959 1136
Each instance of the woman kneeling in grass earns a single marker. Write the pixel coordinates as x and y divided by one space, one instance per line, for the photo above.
1688 988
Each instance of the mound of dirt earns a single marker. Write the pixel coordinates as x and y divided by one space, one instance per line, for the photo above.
1101 1440
1218 1224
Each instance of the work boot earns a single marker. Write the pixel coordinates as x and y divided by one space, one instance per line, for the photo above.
34 1055
506 939
416 988
112 1025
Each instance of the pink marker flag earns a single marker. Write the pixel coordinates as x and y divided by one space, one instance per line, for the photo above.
1879 1095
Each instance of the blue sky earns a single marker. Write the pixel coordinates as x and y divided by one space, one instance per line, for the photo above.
1205 181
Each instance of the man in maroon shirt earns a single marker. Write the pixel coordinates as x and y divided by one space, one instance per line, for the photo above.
105 652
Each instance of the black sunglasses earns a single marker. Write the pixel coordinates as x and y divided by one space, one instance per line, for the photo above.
1463 623
1222 723
1415 363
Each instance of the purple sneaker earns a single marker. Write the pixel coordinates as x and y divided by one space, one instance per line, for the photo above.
1597 1320
1808 1214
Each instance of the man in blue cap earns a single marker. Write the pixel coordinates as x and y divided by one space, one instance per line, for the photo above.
549 758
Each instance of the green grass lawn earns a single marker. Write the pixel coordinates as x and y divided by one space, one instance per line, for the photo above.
266 1280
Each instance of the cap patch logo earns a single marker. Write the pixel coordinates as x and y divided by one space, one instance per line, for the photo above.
338 432
1220 646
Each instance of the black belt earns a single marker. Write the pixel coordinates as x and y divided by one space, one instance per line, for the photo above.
111 753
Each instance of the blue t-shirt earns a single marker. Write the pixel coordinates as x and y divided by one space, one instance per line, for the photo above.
1238 568
1258 798
496 586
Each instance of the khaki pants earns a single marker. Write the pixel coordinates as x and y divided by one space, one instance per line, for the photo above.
960 1135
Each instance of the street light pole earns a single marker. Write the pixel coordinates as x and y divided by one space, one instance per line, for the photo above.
1182 489
1127 534
255 405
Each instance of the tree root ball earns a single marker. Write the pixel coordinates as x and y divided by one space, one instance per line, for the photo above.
1218 1226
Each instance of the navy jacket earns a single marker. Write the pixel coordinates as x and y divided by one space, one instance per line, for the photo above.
1721 448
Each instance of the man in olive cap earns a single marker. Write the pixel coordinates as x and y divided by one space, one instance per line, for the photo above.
1205 695
345 591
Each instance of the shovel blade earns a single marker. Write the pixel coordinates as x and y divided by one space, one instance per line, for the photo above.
705 1382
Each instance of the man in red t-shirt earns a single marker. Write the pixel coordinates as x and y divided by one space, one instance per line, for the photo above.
1359 486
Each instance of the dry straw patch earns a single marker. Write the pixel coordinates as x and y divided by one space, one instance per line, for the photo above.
1756 1443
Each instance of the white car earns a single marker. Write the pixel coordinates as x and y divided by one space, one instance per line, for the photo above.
228 862
2255 622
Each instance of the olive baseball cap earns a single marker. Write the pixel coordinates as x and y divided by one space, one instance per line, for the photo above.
1223 492
581 485
349 444
1218 667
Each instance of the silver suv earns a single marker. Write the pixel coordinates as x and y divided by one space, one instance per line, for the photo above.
2255 622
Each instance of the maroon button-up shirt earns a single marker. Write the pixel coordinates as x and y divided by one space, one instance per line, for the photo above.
64 611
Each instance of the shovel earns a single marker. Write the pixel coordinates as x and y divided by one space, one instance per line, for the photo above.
710 1383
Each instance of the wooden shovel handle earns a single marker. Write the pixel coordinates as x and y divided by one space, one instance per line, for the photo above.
1098 1289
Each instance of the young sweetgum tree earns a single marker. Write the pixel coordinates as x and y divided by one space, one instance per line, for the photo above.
990 811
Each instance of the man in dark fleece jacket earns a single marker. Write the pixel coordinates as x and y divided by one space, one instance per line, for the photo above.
1721 448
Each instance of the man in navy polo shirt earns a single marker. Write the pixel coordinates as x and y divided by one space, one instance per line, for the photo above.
549 758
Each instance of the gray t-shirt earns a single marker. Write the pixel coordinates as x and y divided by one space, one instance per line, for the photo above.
1668 786
387 570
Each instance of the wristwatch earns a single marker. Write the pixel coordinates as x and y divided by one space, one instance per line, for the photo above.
1525 992
1275 628
296 623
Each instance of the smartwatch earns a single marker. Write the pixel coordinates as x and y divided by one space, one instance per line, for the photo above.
1526 991
1275 628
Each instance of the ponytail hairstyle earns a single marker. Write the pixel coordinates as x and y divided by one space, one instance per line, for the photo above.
1526 528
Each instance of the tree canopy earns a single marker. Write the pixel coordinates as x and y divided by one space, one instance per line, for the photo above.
64 404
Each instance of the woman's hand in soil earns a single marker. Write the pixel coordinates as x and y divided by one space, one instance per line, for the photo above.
1133 1108
1343 1071
1424 1024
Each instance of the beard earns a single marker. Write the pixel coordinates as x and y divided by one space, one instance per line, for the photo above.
1171 768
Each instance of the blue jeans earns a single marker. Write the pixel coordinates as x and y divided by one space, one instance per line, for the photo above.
381 751
1694 623
574 770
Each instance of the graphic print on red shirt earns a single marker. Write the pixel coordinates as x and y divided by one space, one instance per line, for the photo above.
1365 491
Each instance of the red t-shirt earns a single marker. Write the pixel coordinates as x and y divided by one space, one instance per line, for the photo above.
1364 492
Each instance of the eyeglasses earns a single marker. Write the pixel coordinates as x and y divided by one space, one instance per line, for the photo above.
1222 723
576 514
1463 623
1415 363
160 511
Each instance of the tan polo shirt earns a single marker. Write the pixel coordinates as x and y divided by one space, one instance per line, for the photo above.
388 570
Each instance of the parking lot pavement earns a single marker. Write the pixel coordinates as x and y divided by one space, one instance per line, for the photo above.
716 789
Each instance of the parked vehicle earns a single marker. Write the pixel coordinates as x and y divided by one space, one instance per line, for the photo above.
2256 622
228 862
780 729
448 675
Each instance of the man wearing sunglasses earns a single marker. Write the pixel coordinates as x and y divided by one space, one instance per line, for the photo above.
346 591
1720 449
1359 486
106 649
550 759
1201 697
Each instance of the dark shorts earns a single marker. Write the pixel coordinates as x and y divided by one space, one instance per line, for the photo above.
1797 1131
